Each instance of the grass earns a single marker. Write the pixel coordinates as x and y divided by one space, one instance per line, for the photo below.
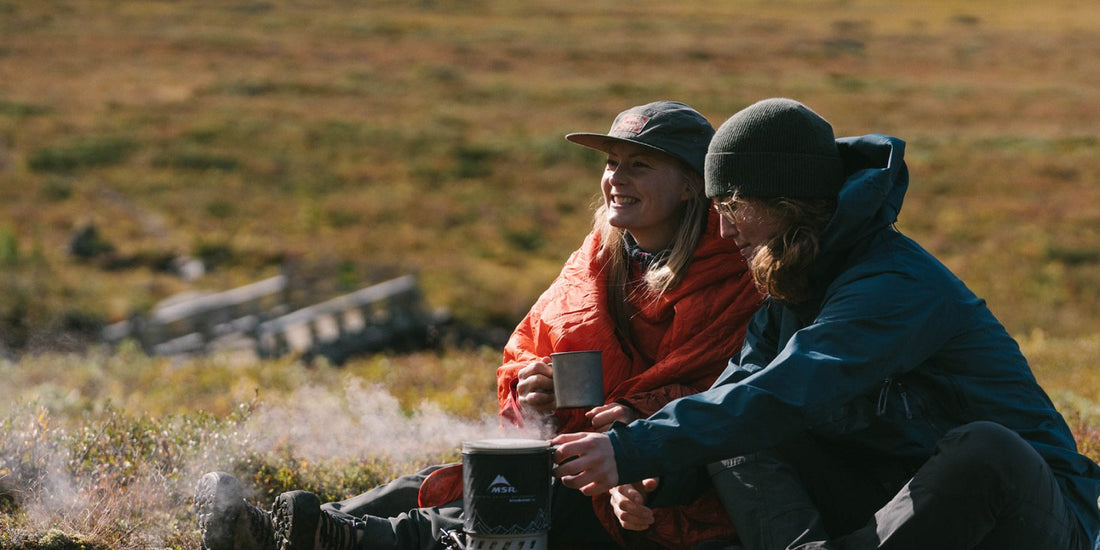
367 140
101 450
428 138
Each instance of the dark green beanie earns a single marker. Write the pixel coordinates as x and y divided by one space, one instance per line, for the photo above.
774 148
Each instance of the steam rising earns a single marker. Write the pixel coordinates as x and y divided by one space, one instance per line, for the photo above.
364 422
79 480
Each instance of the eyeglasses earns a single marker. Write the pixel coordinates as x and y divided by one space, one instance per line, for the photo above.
728 209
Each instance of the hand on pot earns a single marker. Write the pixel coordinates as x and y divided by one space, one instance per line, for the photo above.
585 461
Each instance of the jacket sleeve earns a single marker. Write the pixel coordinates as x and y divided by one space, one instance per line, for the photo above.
516 355
866 331
524 346
533 337
760 347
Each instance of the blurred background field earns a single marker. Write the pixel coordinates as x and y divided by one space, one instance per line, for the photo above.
370 139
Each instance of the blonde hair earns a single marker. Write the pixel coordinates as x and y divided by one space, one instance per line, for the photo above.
662 276
782 267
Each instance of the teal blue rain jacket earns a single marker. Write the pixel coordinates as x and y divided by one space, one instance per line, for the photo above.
895 352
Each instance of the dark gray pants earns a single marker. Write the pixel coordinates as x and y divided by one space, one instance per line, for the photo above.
391 518
984 488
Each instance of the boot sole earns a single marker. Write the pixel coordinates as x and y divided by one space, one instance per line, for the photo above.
296 515
219 501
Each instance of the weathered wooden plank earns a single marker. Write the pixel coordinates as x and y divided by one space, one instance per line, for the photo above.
355 300
222 300
372 316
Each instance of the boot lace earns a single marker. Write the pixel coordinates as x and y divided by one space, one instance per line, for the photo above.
260 527
339 532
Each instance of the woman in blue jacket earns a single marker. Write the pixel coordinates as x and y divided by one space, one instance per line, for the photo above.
877 403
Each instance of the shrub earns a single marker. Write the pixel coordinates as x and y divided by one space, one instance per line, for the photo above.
84 153
189 159
9 247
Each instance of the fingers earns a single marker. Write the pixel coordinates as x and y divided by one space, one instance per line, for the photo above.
538 401
603 416
628 503
585 461
536 386
536 368
536 376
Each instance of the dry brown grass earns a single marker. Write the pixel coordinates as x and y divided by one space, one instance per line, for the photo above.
397 136
428 137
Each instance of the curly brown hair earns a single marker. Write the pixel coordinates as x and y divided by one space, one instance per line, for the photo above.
781 268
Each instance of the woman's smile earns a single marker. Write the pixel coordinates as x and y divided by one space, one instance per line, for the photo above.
645 194
621 201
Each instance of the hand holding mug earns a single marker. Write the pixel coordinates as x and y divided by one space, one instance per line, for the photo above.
535 387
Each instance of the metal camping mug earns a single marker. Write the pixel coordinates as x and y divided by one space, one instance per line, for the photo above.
578 379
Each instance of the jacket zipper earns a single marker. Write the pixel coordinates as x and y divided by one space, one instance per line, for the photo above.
884 398
905 402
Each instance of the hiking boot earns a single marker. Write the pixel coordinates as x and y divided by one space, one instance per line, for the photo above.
300 524
226 520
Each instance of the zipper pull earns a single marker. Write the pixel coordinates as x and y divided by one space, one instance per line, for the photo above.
905 402
883 397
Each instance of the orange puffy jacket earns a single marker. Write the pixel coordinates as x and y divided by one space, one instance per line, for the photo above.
681 343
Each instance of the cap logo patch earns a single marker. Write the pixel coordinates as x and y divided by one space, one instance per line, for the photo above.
632 124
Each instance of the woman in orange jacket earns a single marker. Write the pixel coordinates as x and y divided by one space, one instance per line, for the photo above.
653 287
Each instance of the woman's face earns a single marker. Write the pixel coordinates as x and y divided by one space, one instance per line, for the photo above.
644 191
749 222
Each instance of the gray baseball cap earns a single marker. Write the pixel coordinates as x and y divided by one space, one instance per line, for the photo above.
667 126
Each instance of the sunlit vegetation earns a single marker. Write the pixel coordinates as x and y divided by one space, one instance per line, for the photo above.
372 139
